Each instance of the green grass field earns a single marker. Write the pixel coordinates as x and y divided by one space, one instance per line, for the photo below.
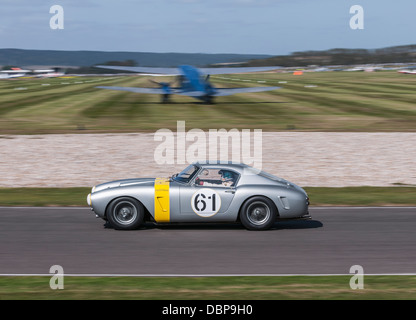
210 288
326 101
348 196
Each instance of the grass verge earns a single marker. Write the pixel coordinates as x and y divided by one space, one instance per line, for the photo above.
362 196
348 196
315 101
42 197
209 288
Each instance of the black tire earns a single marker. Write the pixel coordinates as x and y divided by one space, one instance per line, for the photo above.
165 98
258 213
125 214
209 99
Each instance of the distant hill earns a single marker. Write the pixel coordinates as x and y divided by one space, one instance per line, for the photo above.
398 54
21 57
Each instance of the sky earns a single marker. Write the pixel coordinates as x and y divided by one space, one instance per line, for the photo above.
274 27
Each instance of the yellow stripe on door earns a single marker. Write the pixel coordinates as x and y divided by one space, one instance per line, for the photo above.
162 210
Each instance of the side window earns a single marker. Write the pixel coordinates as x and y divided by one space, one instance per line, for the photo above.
216 178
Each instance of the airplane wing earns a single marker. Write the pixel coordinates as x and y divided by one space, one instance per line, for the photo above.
167 71
220 92
137 90
229 91
176 71
236 70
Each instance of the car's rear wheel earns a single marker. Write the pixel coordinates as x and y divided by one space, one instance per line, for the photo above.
125 214
258 213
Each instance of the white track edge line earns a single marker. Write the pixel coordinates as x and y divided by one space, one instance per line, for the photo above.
199 275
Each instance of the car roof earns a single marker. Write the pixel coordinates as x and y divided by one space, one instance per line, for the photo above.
222 164
249 174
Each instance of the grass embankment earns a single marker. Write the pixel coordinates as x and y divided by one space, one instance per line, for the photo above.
362 196
320 101
210 288
348 196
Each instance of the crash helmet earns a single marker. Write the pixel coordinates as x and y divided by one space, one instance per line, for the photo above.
226 175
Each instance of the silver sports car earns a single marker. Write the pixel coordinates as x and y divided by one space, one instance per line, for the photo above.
202 192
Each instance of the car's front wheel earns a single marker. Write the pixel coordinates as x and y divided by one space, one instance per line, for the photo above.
125 214
258 213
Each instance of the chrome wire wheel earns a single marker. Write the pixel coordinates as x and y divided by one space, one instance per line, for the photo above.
258 213
125 212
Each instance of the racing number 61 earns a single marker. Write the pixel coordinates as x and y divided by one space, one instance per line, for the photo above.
206 202
198 202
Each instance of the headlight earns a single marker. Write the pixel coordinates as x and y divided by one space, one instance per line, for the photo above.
89 199
93 189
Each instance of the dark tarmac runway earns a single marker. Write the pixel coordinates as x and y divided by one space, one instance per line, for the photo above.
381 240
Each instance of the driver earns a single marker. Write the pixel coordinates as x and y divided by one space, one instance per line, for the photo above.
227 179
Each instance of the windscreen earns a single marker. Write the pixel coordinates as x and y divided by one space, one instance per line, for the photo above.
187 174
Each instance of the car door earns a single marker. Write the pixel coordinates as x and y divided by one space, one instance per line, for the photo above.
208 201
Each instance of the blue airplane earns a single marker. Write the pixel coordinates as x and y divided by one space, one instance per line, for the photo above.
193 82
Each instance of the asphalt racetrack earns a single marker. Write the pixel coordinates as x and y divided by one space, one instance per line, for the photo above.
381 240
